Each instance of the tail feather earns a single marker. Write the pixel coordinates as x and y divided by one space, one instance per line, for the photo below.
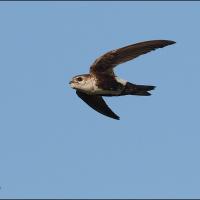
141 90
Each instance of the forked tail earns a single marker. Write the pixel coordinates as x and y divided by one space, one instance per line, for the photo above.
141 90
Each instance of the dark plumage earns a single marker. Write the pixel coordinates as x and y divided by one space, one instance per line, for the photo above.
103 82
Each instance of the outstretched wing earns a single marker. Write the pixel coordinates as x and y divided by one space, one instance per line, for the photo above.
98 104
111 59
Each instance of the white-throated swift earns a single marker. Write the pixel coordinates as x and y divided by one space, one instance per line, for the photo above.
101 81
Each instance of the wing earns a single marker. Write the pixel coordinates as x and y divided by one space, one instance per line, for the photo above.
97 103
111 59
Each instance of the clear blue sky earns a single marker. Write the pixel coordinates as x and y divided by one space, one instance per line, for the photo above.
52 145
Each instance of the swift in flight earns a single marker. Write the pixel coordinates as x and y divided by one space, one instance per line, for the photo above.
102 81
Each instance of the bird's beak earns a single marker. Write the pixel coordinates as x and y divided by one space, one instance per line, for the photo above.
70 82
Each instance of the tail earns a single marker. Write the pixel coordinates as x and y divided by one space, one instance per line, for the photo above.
141 90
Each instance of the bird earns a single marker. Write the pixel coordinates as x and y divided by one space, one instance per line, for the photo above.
101 80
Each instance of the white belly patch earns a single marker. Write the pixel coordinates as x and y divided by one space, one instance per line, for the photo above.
119 80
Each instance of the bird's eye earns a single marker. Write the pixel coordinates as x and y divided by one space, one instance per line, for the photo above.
79 79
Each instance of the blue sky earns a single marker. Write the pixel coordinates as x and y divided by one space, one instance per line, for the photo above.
52 145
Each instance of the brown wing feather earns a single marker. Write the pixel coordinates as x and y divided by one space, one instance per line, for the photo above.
97 103
111 59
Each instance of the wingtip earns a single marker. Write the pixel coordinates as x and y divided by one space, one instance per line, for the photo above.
113 117
170 42
116 117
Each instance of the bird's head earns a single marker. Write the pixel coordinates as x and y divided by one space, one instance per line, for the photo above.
80 82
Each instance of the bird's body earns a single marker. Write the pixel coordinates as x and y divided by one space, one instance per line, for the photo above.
106 85
101 81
